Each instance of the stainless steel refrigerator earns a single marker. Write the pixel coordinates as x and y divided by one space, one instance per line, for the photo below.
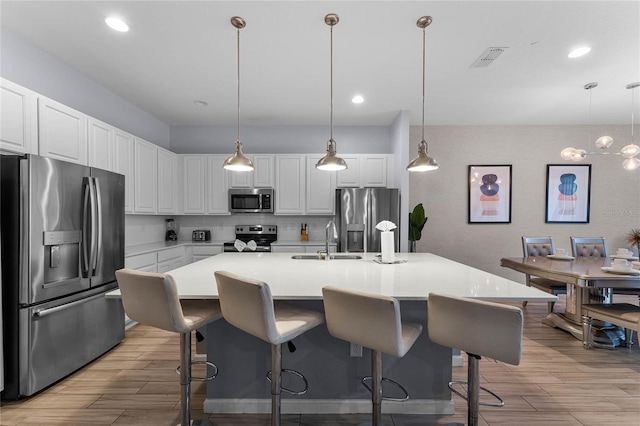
62 241
359 210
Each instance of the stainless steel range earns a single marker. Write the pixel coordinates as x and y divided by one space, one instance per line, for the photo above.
252 238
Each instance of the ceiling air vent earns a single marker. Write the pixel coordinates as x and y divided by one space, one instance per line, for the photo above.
488 56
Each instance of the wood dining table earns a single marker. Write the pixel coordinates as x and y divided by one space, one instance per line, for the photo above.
587 282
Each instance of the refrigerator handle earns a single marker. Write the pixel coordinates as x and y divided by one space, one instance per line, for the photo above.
94 245
98 227
85 227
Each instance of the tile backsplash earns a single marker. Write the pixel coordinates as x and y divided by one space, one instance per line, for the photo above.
141 229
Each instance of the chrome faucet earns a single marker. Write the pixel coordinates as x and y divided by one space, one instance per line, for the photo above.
330 225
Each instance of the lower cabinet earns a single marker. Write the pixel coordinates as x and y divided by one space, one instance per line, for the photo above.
203 252
171 259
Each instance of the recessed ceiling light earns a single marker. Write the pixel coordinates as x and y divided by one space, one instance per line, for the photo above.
117 24
200 103
357 99
580 51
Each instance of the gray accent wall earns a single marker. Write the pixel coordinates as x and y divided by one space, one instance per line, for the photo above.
31 67
615 192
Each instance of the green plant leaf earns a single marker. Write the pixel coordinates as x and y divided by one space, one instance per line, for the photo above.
417 220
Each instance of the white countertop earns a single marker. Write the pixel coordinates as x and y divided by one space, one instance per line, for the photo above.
303 279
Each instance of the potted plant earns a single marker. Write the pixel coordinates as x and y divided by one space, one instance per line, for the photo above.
417 220
633 238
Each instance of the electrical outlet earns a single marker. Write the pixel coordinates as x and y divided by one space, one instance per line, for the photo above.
355 350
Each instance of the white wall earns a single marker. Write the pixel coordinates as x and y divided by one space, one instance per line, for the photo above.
615 192
279 139
35 69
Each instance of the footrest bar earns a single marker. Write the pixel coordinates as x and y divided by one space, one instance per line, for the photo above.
388 398
464 396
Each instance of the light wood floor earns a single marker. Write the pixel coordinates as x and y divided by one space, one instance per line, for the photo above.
557 383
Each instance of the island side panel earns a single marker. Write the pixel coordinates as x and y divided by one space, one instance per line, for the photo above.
333 375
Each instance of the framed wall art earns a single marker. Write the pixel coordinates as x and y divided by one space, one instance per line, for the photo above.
568 193
490 194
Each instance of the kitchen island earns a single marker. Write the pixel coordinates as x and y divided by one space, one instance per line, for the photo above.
334 376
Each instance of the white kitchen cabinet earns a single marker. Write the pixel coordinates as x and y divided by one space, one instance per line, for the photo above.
123 154
100 144
146 177
350 177
302 248
364 170
62 132
374 170
167 179
320 188
170 259
18 118
217 185
142 262
194 168
290 184
241 179
203 252
263 173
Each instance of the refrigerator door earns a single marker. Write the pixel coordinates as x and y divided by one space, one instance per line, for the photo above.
51 226
383 204
108 235
351 219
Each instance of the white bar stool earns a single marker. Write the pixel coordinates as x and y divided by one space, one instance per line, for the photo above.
152 299
373 321
480 329
247 304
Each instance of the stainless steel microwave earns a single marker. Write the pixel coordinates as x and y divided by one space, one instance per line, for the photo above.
257 200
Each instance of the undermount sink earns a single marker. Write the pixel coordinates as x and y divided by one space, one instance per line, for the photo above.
321 257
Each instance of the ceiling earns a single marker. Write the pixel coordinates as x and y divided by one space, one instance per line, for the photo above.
180 51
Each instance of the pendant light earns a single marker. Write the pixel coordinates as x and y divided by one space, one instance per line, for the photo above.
331 161
423 162
238 162
629 152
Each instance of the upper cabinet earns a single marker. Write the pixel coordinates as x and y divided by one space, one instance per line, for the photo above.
167 181
320 188
100 144
146 177
290 184
364 170
62 131
261 177
123 154
18 118
206 184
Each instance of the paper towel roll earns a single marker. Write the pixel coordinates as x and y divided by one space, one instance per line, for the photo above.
387 252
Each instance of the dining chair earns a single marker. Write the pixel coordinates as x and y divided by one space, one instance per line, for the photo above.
588 246
597 247
541 247
152 299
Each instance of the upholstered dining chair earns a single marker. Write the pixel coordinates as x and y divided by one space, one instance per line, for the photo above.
535 247
588 246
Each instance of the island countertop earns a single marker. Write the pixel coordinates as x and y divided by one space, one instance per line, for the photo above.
291 279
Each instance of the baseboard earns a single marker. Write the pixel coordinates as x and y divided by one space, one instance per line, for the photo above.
328 406
457 361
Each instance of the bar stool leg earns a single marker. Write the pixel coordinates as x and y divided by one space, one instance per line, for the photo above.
185 377
276 380
376 387
473 390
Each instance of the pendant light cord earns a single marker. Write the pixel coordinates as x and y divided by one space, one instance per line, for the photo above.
238 86
331 85
423 84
